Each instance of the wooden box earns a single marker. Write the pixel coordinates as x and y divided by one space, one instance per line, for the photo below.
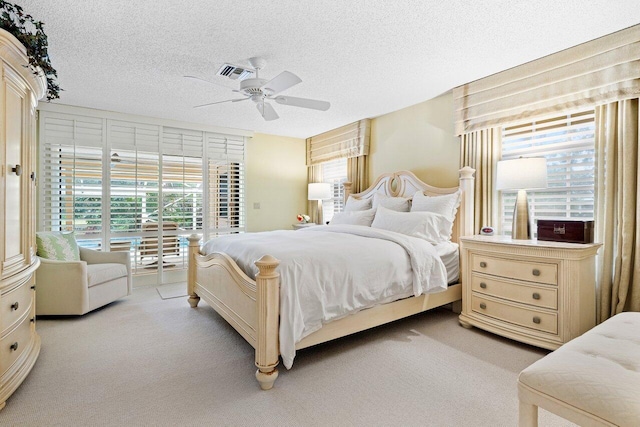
569 231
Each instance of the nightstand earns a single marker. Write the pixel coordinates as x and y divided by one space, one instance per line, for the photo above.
540 293
300 225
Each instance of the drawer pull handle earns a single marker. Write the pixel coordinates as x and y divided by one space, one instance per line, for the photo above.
483 305
536 320
33 320
15 306
536 272
536 295
33 287
17 170
14 346
483 285
483 264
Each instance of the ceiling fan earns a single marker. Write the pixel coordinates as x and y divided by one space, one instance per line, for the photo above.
260 91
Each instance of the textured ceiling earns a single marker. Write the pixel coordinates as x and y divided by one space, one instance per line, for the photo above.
367 58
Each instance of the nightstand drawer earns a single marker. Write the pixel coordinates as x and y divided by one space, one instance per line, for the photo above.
534 319
533 295
520 270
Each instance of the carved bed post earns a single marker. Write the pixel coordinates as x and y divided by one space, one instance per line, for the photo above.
347 190
268 303
194 249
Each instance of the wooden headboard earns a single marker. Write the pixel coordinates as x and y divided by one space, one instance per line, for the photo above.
405 184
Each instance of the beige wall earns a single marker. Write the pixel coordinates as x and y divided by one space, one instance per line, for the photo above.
419 138
276 179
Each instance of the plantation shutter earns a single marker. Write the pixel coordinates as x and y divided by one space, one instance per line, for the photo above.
335 173
567 142
226 184
71 184
139 187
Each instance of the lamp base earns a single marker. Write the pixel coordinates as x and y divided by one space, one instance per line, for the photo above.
521 228
319 214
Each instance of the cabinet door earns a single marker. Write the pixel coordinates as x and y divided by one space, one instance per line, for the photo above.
13 257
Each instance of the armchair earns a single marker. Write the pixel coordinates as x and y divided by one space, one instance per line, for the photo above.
79 286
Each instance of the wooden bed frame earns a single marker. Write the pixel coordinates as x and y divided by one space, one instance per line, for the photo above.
252 306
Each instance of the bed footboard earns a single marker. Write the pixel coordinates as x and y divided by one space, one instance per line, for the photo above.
251 307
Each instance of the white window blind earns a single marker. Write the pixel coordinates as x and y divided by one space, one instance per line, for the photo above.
567 142
156 176
335 173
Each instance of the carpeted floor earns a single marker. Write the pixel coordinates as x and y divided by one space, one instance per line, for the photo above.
145 361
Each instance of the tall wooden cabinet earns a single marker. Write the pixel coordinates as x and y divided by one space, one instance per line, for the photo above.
20 91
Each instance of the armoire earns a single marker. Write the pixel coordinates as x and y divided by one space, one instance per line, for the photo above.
20 91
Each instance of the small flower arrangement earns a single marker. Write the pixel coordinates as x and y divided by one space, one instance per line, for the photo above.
303 218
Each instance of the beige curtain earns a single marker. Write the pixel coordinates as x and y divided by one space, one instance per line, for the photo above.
357 173
618 207
314 174
603 70
481 150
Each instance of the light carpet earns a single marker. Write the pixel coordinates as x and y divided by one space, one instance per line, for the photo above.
145 361
172 290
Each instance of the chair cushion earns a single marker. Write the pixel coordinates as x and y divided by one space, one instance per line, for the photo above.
57 246
598 372
101 273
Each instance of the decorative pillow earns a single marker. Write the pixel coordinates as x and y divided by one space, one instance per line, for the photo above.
446 205
354 217
57 246
399 204
432 227
354 204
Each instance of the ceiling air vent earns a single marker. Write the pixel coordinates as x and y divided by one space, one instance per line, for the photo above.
234 72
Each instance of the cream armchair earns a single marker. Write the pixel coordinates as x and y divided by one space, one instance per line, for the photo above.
77 287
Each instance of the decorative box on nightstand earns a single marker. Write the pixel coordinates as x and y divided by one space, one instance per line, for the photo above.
300 225
540 293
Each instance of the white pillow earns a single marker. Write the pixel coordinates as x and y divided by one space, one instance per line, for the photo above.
354 217
446 205
354 204
399 204
432 227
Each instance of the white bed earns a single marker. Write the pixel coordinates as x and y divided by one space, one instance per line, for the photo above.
332 280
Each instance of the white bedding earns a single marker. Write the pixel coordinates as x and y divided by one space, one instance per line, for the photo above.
330 272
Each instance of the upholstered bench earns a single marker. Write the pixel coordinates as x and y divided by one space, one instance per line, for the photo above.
593 380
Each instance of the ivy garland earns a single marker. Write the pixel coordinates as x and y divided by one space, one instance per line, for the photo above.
30 33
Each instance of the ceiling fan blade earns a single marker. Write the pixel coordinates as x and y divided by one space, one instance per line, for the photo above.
208 81
314 104
220 102
282 81
266 111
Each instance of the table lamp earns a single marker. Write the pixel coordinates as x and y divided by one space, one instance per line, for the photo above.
319 191
522 174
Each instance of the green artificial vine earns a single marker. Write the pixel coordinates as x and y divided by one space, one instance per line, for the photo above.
30 33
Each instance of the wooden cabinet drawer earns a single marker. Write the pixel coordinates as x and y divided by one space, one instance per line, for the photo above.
520 270
14 304
530 318
12 346
538 296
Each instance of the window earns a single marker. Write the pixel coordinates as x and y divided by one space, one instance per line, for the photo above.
335 173
567 142
139 188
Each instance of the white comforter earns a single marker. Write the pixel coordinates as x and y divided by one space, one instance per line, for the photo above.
330 272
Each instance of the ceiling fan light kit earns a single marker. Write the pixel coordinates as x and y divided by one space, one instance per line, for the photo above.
261 90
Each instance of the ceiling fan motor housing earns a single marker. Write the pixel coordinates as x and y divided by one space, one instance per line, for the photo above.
252 87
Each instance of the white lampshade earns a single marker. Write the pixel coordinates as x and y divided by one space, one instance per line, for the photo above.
525 173
319 191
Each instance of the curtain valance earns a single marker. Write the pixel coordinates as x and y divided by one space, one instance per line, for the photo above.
347 141
596 72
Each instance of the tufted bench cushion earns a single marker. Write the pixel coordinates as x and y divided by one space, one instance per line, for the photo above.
591 380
